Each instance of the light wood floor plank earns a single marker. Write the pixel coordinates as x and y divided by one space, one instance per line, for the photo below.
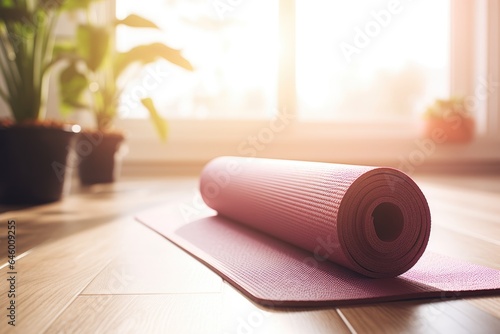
490 305
148 263
464 247
455 317
52 275
240 315
158 313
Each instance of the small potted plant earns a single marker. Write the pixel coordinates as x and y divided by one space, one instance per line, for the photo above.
89 81
33 150
450 119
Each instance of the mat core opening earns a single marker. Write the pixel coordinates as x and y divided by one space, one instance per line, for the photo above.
388 221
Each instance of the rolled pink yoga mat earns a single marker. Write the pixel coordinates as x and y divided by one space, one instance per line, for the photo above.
374 221
291 233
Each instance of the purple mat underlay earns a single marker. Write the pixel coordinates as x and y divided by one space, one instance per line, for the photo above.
290 233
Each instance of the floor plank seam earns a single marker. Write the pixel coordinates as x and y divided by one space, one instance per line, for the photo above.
63 309
346 322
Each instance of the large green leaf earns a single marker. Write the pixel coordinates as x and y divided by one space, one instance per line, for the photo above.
159 122
65 48
73 4
72 85
137 21
7 3
93 45
149 53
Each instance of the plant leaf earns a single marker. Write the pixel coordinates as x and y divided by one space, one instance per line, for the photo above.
137 21
159 122
149 53
72 85
64 48
93 45
70 4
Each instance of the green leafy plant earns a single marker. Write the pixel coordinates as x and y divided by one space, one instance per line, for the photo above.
26 53
90 79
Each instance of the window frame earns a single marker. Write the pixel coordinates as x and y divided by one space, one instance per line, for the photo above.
193 142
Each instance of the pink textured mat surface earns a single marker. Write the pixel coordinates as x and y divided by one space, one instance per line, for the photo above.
293 233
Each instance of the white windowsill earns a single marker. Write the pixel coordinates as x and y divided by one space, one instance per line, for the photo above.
193 143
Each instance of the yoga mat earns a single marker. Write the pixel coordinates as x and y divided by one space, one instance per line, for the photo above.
289 233
374 221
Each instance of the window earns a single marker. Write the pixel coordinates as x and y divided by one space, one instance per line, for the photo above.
357 73
233 46
354 59
371 59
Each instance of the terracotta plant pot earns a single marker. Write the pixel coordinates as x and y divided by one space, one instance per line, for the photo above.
99 157
34 163
456 129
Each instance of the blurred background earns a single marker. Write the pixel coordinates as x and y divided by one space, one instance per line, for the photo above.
337 81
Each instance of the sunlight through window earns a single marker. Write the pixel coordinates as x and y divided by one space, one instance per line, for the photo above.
369 58
232 45
383 59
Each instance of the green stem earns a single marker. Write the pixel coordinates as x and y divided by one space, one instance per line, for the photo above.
12 30
4 64
37 59
49 41
4 96
3 92
24 64
8 70
8 73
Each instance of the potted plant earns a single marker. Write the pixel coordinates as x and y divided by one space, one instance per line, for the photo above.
450 119
33 150
90 81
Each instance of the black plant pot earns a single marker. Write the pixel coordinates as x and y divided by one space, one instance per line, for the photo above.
34 163
99 160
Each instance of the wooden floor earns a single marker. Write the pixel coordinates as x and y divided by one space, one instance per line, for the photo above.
84 265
